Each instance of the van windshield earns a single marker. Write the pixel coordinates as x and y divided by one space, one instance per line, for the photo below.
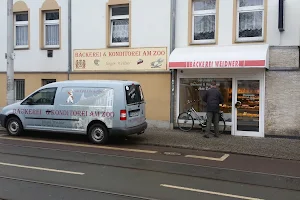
134 94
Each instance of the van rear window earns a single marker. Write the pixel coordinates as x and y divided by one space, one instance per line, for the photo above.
134 94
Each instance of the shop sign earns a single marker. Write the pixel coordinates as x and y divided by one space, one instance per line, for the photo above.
120 59
218 64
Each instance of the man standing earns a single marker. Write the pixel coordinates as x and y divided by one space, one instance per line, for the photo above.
213 98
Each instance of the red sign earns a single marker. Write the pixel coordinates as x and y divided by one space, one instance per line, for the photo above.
218 64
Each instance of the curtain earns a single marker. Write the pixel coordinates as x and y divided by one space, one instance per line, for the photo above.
204 27
120 30
244 3
204 5
21 35
250 24
52 34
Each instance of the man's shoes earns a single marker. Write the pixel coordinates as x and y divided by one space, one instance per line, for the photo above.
206 136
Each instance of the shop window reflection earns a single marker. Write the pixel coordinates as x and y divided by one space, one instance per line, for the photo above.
193 89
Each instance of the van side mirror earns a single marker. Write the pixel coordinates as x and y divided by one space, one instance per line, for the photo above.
30 101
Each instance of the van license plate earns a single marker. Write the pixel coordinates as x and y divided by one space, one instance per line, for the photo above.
134 114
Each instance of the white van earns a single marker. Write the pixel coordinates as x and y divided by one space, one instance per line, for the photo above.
96 108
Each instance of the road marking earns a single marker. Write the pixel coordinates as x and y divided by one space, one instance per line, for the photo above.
80 145
209 192
42 169
224 157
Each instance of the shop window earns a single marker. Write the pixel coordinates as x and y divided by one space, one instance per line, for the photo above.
194 88
47 81
21 30
19 89
204 21
119 25
250 20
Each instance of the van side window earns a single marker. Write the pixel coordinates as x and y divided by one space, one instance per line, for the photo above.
134 94
41 97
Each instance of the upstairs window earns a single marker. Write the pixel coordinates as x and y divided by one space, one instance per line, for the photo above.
204 21
250 20
21 30
119 25
51 29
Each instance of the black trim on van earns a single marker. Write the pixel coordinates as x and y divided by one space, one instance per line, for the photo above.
52 119
129 131
2 120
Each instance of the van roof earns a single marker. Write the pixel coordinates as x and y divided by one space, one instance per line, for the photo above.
91 82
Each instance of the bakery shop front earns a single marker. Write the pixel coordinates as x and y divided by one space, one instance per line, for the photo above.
239 71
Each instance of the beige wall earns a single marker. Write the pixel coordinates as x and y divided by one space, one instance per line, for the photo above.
156 88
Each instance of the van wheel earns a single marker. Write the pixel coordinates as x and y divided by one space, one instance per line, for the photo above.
98 134
14 126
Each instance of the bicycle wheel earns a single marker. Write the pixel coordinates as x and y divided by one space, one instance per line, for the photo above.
185 121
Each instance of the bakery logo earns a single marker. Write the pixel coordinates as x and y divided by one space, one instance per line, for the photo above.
140 61
96 62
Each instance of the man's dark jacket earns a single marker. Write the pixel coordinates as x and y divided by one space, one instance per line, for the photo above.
213 98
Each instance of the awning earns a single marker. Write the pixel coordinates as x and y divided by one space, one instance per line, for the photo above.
233 56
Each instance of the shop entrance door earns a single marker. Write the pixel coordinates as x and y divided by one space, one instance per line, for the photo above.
247 108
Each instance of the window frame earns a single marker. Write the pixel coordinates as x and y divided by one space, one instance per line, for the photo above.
203 13
249 9
51 22
116 17
25 100
21 23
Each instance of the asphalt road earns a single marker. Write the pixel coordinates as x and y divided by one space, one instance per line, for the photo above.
34 168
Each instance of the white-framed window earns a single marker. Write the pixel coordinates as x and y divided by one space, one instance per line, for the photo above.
250 20
204 21
21 30
19 89
51 29
119 25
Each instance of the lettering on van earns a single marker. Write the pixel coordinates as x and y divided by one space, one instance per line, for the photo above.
28 111
80 113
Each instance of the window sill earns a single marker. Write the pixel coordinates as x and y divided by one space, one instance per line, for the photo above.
22 48
50 48
249 40
204 42
118 46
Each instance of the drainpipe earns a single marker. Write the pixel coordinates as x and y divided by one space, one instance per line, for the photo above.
69 37
172 47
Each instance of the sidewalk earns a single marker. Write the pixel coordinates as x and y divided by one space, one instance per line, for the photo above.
266 147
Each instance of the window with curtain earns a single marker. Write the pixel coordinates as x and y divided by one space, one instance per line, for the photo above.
250 19
21 30
204 21
119 25
51 29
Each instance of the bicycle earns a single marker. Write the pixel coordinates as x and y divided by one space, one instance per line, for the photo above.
187 118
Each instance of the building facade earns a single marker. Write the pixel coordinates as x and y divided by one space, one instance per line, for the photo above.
100 39
253 54
250 47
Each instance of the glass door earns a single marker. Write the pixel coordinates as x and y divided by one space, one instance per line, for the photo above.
248 108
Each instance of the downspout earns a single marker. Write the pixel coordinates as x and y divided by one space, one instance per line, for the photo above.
172 47
69 38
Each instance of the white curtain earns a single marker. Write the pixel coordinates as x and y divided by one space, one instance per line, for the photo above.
204 5
120 30
250 24
244 3
52 34
204 27
21 35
